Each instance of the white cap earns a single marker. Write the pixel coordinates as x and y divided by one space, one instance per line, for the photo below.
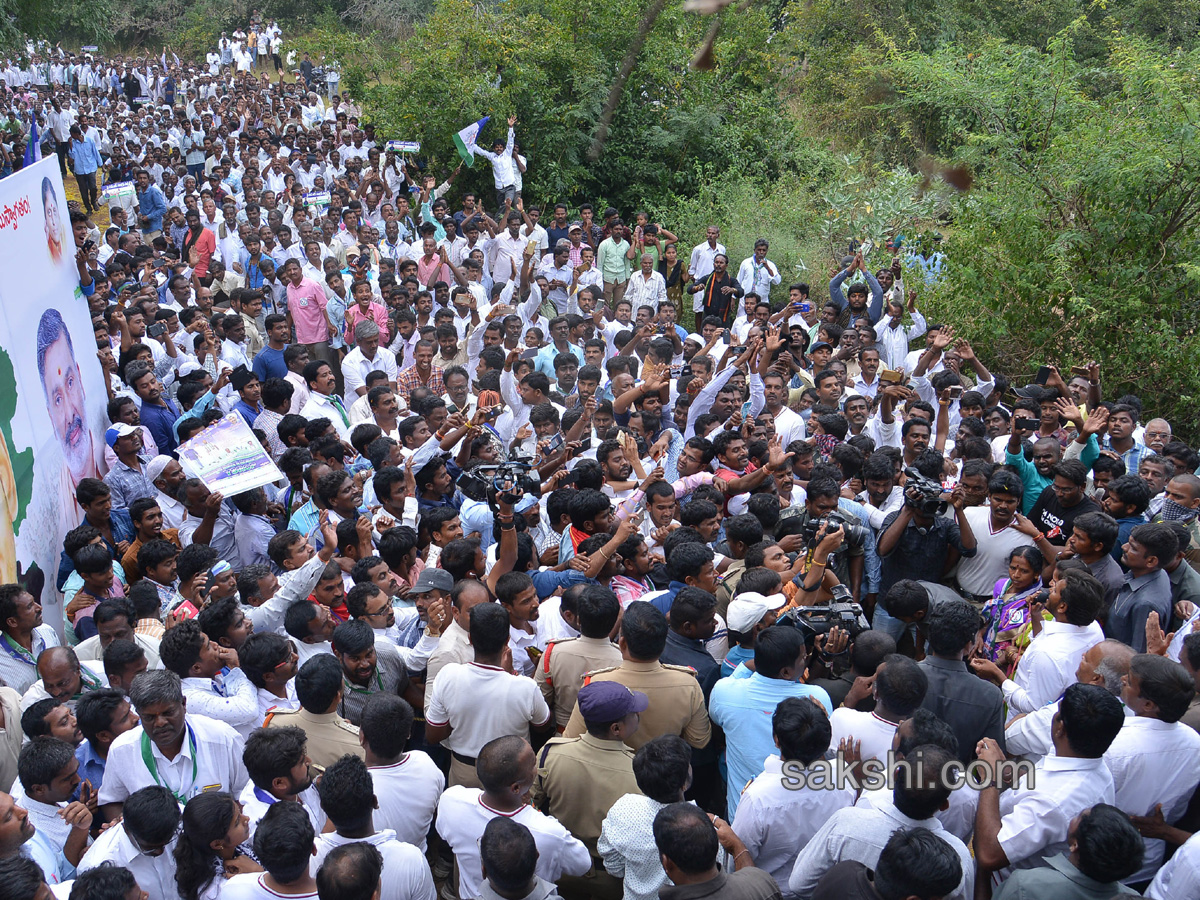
746 610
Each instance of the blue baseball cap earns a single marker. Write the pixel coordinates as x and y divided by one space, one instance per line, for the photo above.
609 701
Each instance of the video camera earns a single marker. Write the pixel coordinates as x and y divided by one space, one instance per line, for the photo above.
850 532
841 612
929 501
503 481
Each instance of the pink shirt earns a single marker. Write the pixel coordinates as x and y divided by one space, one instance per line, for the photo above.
375 312
426 269
306 304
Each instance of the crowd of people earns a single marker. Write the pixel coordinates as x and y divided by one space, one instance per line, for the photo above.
557 596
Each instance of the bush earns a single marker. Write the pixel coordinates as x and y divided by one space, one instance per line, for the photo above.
1080 240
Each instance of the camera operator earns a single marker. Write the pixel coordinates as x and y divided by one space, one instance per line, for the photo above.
821 506
917 542
815 582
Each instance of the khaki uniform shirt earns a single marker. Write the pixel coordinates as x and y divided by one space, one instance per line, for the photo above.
454 646
729 582
330 737
578 781
676 702
565 664
254 338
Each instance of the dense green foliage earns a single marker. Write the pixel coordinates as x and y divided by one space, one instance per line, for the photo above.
822 121
554 62
1080 239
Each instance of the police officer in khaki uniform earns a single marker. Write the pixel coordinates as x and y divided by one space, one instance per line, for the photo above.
579 779
676 702
562 668
319 690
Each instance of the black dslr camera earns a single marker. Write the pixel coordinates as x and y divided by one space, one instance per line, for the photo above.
502 481
832 521
929 500
841 612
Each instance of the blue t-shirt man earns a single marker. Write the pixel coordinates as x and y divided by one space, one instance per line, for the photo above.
744 703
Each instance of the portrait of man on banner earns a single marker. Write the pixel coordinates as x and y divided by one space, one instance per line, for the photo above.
56 236
66 404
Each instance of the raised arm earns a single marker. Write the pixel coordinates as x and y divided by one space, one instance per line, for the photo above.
506 552
836 294
704 399
875 310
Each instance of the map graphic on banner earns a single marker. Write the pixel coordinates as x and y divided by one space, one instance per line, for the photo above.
52 395
228 458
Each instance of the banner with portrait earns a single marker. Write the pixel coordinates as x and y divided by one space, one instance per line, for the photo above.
228 458
52 395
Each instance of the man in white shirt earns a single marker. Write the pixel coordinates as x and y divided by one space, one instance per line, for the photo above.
1006 530
899 689
363 359
454 646
285 850
532 215
199 661
348 799
756 274
505 251
270 662
473 703
210 518
407 785
1048 665
860 833
393 246
142 842
646 286
775 819
701 264
67 676
277 762
662 768
892 337
49 775
115 619
323 400
1106 664
186 754
1155 758
789 426
1028 824
500 156
58 123
506 767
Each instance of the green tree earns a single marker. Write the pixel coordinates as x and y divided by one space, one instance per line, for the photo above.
1080 239
552 63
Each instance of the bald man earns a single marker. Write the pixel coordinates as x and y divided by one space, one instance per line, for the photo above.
62 677
1105 664
1157 435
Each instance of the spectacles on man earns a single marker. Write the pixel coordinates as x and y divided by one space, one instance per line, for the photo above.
152 850
292 654
382 611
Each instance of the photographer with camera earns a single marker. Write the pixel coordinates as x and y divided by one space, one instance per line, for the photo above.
918 542
821 511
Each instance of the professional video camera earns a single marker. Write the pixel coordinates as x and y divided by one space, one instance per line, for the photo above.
856 534
507 481
929 501
841 612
